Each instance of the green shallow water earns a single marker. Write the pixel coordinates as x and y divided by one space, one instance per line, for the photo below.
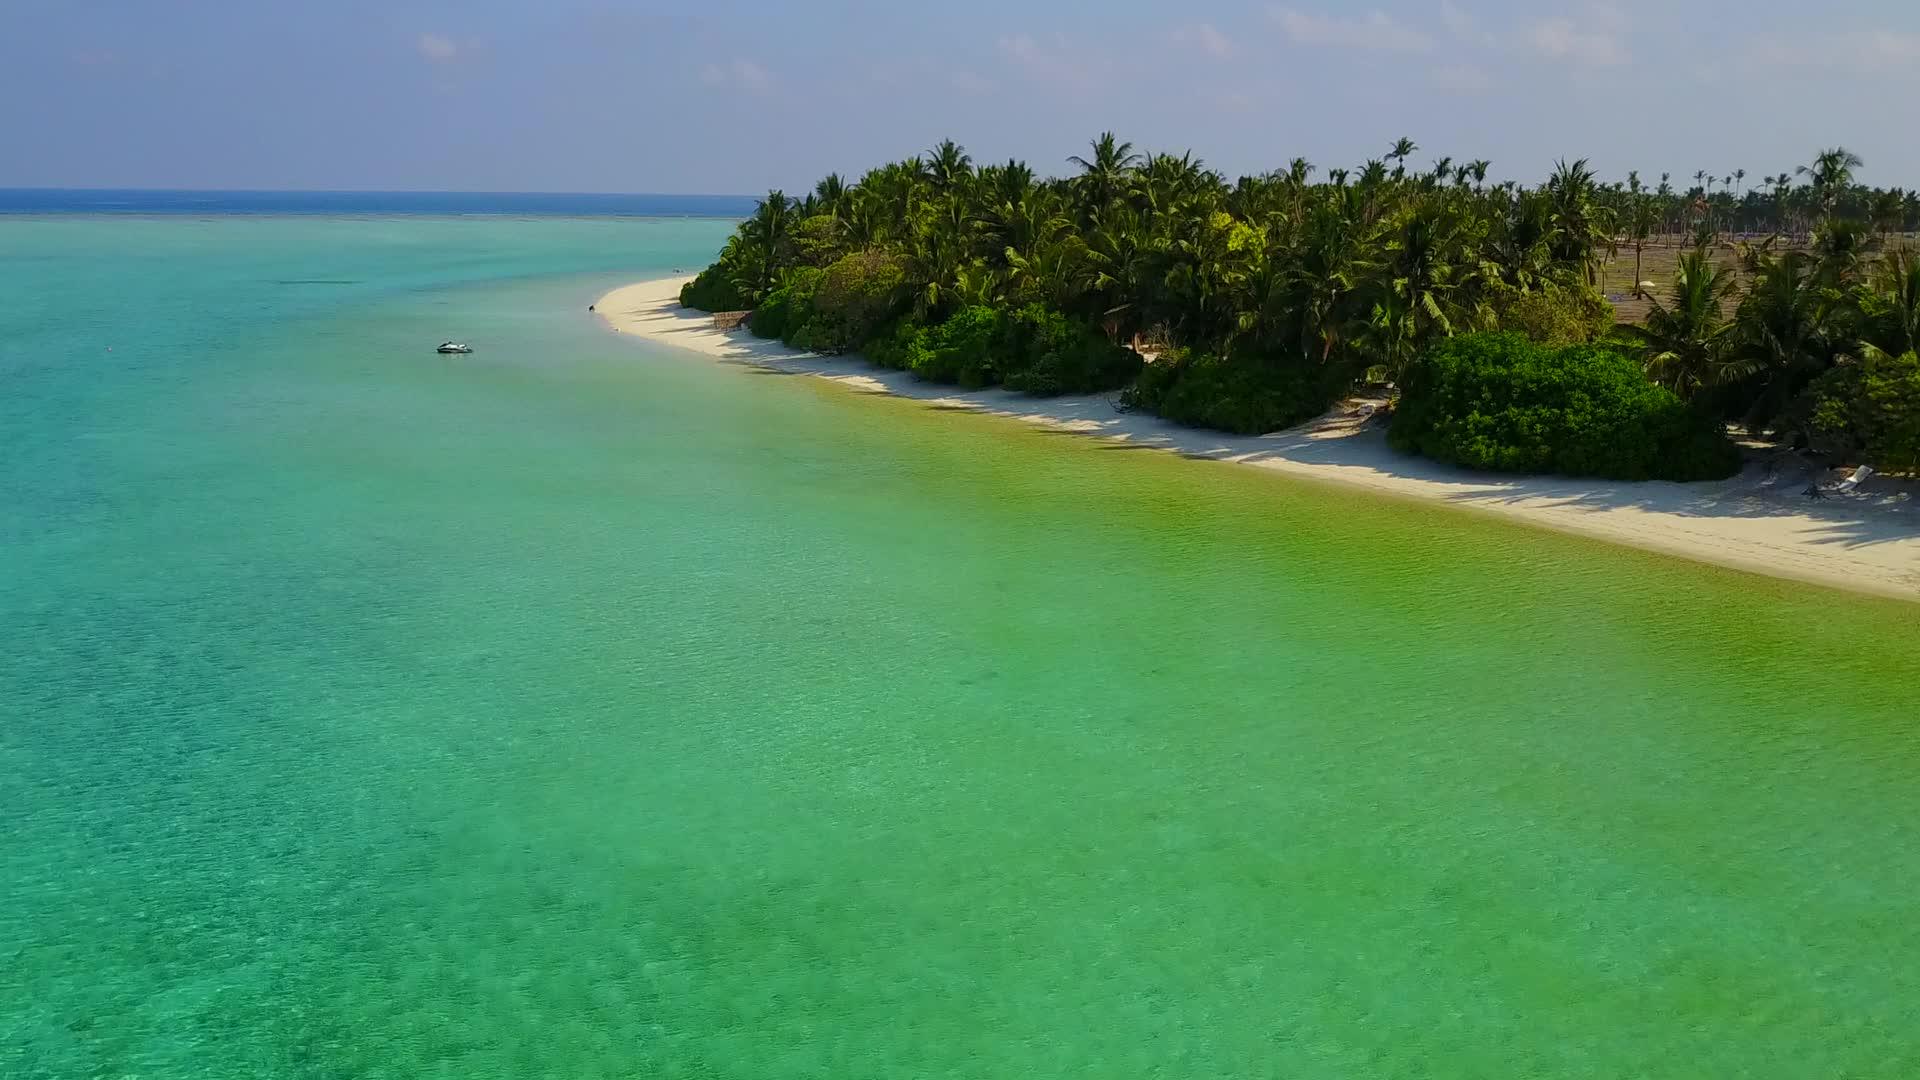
582 709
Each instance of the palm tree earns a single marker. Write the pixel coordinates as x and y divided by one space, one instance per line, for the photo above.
1581 227
1830 174
1280 276
1011 184
949 165
1786 334
1119 280
1683 341
765 246
1840 248
1403 149
1639 226
1322 278
1520 246
939 255
1106 176
1888 210
1430 282
1890 304
831 194
1780 183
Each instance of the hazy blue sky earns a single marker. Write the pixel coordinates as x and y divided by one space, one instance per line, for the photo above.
723 96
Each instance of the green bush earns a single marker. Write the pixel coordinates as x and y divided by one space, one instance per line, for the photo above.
1870 411
1246 395
1556 315
713 290
1502 403
853 299
894 346
817 241
787 307
965 349
1034 350
1047 353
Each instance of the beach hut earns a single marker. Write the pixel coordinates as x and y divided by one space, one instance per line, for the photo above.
730 320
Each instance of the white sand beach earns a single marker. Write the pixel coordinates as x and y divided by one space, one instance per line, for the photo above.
1867 541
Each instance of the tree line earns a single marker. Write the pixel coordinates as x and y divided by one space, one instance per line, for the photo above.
1266 298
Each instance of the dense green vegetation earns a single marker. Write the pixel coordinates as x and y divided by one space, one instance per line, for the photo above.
1871 410
1504 403
1778 204
1266 299
714 290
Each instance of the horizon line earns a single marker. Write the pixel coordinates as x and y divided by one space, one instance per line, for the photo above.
376 191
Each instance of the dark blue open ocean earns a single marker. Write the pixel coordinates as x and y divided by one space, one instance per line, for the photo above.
333 203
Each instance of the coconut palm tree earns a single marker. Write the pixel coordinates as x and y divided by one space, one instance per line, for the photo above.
1840 249
765 244
830 195
1787 332
1120 282
1888 210
1890 304
1363 270
1830 174
1520 244
1325 271
949 166
1403 148
1640 214
1011 184
1582 228
1106 176
1431 277
1683 341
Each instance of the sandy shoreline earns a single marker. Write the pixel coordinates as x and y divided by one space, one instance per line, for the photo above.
1868 542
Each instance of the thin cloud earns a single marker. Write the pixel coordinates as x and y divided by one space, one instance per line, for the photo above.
1869 50
1055 61
738 74
438 49
1464 27
1376 31
1462 79
1206 38
968 82
1564 40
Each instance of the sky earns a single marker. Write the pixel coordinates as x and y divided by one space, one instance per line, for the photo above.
722 96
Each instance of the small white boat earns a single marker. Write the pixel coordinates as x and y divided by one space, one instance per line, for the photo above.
452 347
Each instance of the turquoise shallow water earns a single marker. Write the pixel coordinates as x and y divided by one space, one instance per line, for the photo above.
581 709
